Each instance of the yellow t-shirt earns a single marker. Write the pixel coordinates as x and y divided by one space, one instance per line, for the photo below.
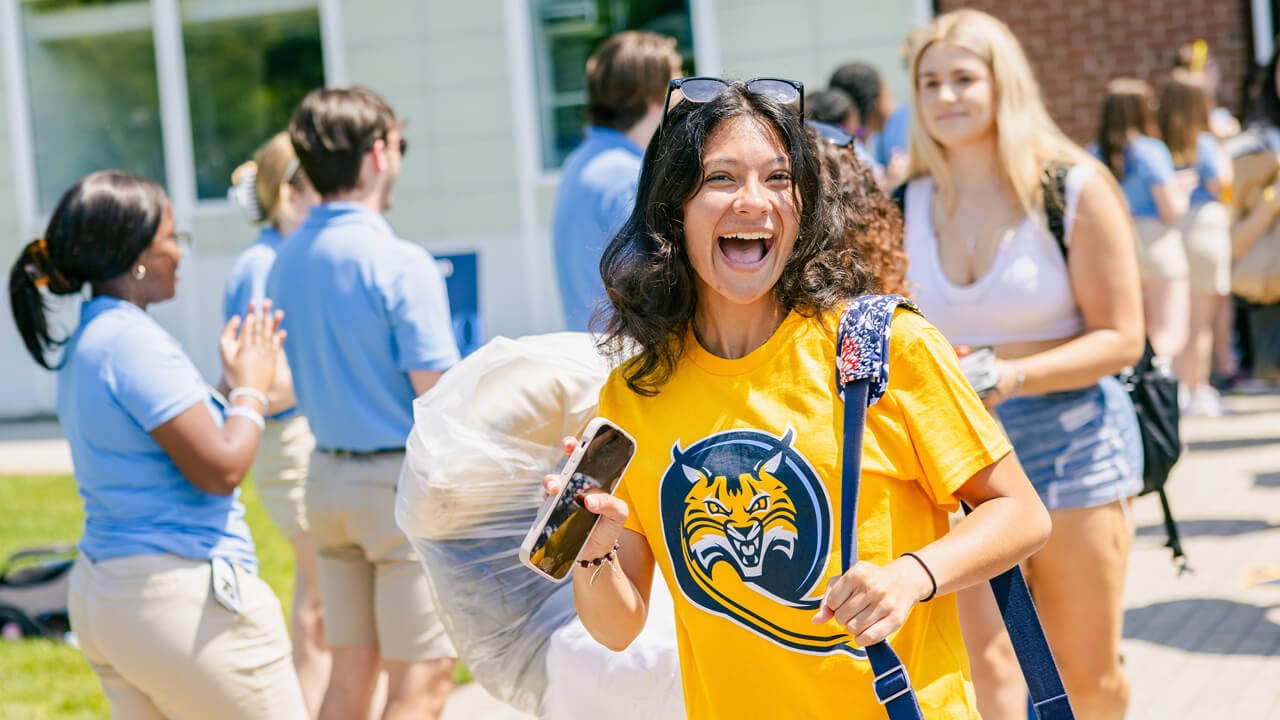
736 486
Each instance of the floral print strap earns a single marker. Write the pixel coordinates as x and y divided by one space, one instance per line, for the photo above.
863 342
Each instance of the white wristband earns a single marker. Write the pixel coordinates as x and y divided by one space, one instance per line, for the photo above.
254 415
249 392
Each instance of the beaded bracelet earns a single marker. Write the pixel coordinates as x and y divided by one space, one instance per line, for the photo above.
599 562
928 572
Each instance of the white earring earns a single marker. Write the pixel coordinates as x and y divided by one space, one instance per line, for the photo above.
140 272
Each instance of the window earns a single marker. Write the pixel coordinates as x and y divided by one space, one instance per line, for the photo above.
566 32
94 89
245 74
84 117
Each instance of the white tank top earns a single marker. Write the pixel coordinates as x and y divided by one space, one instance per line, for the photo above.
1025 295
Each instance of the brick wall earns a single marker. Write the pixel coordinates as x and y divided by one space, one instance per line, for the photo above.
1076 46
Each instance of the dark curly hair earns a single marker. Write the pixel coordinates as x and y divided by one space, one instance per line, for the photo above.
646 271
871 224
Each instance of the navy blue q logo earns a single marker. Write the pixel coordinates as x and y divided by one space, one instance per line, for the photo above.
748 525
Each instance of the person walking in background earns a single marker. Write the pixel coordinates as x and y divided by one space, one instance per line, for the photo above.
727 304
988 271
273 192
627 78
1158 196
371 332
894 140
165 599
1206 230
833 109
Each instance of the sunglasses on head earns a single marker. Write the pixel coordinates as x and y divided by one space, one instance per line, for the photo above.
831 133
706 89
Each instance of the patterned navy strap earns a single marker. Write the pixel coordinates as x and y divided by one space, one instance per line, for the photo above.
862 376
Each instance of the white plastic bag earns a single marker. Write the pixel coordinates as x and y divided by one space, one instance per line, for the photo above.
470 487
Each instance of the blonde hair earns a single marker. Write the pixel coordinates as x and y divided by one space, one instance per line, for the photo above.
1183 114
273 165
1027 139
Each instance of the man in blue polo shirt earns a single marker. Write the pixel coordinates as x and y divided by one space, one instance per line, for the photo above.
368 331
627 80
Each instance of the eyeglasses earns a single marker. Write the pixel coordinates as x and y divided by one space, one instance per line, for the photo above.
404 144
706 89
183 239
831 133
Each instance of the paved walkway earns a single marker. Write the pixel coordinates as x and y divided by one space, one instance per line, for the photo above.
1205 644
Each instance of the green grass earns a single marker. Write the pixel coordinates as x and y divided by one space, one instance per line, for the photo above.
43 680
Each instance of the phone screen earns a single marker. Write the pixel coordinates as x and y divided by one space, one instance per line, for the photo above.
569 523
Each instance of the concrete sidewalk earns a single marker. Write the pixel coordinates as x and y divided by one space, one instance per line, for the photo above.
1202 645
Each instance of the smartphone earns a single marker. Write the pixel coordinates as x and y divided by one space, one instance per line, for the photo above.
979 368
563 524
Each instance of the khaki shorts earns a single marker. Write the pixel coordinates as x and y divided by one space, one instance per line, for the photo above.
164 648
280 472
1161 255
373 588
1206 233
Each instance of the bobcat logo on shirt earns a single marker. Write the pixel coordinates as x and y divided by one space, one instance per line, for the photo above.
749 529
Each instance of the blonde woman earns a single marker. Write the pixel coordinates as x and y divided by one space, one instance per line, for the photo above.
1183 117
273 192
987 271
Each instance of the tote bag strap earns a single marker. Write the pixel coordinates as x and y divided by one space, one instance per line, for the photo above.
862 371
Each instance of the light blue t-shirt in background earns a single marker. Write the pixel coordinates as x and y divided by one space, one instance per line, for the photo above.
1147 162
248 279
123 377
1210 159
596 195
248 282
362 308
893 137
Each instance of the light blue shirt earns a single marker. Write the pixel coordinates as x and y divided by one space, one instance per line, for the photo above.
124 376
596 195
893 137
248 282
362 308
1147 162
1210 158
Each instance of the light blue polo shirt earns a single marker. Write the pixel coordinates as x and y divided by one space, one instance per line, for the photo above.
1147 162
124 376
248 282
362 308
596 195
1210 159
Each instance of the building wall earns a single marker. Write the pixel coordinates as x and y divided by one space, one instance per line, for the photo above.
1076 47
460 74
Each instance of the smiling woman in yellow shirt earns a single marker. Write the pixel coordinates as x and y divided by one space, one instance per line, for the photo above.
729 279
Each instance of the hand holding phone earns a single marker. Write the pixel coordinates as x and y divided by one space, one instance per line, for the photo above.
980 369
579 495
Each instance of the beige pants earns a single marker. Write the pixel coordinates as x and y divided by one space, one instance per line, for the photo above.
1161 254
280 473
164 648
1206 233
373 588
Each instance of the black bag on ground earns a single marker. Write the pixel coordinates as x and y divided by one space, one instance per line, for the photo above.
33 591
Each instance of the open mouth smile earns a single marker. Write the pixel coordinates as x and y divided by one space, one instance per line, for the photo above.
745 250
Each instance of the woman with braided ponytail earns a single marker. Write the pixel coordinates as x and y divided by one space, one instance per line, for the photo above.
165 598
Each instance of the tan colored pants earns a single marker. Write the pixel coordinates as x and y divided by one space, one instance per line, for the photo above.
373 588
280 473
164 648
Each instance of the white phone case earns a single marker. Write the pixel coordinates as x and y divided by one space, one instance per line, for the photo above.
570 466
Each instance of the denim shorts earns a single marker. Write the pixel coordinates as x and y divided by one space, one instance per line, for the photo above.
1081 448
